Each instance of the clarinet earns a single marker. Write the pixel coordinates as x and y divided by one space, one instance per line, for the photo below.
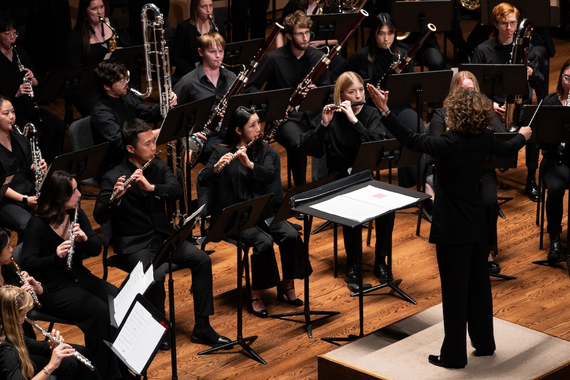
196 145
131 179
401 64
77 355
28 81
25 282
213 24
562 145
72 237
315 73
39 175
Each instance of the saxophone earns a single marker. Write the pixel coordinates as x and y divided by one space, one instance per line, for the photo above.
39 175
114 36
72 237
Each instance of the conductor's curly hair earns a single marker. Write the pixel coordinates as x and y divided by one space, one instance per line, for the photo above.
468 111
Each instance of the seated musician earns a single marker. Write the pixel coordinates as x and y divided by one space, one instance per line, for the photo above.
25 358
372 62
246 175
74 294
115 107
438 125
140 224
498 51
20 198
338 136
286 67
13 60
555 165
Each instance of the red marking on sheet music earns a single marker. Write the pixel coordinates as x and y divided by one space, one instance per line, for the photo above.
379 195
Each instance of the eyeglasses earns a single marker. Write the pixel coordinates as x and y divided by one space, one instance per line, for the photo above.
302 34
512 24
11 34
125 79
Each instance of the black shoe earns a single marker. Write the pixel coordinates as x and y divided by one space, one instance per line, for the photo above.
300 216
494 268
165 345
260 313
531 190
211 338
283 296
353 286
381 271
555 251
351 276
435 360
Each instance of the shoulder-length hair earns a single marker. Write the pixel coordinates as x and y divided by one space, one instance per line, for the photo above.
344 81
194 4
468 111
14 301
381 20
559 86
238 119
459 77
83 28
56 191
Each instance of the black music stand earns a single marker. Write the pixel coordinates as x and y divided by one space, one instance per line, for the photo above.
551 126
331 26
317 98
495 162
133 58
413 16
6 180
170 246
82 164
232 221
499 80
431 86
11 83
539 12
285 212
302 203
269 105
241 52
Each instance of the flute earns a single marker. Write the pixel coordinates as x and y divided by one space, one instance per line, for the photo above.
334 107
77 354
72 236
234 156
25 282
131 179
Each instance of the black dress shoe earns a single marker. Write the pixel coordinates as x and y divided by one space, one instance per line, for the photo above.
259 313
381 271
435 360
494 268
212 340
555 251
531 190
355 288
283 296
351 276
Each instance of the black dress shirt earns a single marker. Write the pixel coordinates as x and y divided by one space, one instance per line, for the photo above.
19 158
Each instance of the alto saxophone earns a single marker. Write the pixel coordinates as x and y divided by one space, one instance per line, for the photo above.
39 175
114 36
72 237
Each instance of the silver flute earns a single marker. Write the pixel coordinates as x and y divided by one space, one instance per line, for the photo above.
25 282
77 355
72 237
131 179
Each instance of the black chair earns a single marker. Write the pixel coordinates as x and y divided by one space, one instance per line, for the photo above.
80 137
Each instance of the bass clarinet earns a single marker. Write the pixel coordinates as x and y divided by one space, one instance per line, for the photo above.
39 175
72 237
131 179
77 354
315 73
25 282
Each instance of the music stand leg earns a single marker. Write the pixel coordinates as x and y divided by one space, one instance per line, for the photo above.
307 312
172 319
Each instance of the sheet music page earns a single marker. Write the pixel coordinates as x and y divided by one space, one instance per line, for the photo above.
138 283
139 337
365 203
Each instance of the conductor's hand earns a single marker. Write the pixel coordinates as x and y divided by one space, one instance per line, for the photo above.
526 132
379 97
63 248
142 181
118 185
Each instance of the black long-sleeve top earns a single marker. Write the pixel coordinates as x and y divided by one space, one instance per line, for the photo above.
438 125
341 139
10 359
39 256
458 214
20 158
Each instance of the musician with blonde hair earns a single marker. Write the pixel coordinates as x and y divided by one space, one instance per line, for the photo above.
25 358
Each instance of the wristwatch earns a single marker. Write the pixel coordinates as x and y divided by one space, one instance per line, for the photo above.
385 113
25 199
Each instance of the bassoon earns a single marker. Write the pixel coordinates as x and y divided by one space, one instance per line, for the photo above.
315 73
195 144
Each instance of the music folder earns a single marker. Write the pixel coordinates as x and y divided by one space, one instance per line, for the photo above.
139 336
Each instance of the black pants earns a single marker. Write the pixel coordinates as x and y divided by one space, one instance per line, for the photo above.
289 136
188 256
490 203
467 300
556 181
14 216
86 307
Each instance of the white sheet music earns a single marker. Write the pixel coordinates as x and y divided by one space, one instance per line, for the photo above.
365 203
139 337
138 283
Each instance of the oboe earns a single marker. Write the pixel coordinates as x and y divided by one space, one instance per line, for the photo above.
77 355
131 179
25 282
72 236
211 19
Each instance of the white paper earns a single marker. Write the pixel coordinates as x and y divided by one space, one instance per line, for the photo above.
138 282
138 338
365 203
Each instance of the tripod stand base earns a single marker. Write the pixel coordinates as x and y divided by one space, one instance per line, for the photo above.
243 342
502 276
321 227
393 284
549 263
349 338
307 314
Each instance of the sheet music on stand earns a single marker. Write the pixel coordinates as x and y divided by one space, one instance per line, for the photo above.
136 283
139 335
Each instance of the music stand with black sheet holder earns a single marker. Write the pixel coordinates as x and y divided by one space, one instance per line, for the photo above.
302 203
241 52
285 213
539 12
170 246
413 16
133 58
502 79
82 164
232 221
551 126
331 26
6 180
